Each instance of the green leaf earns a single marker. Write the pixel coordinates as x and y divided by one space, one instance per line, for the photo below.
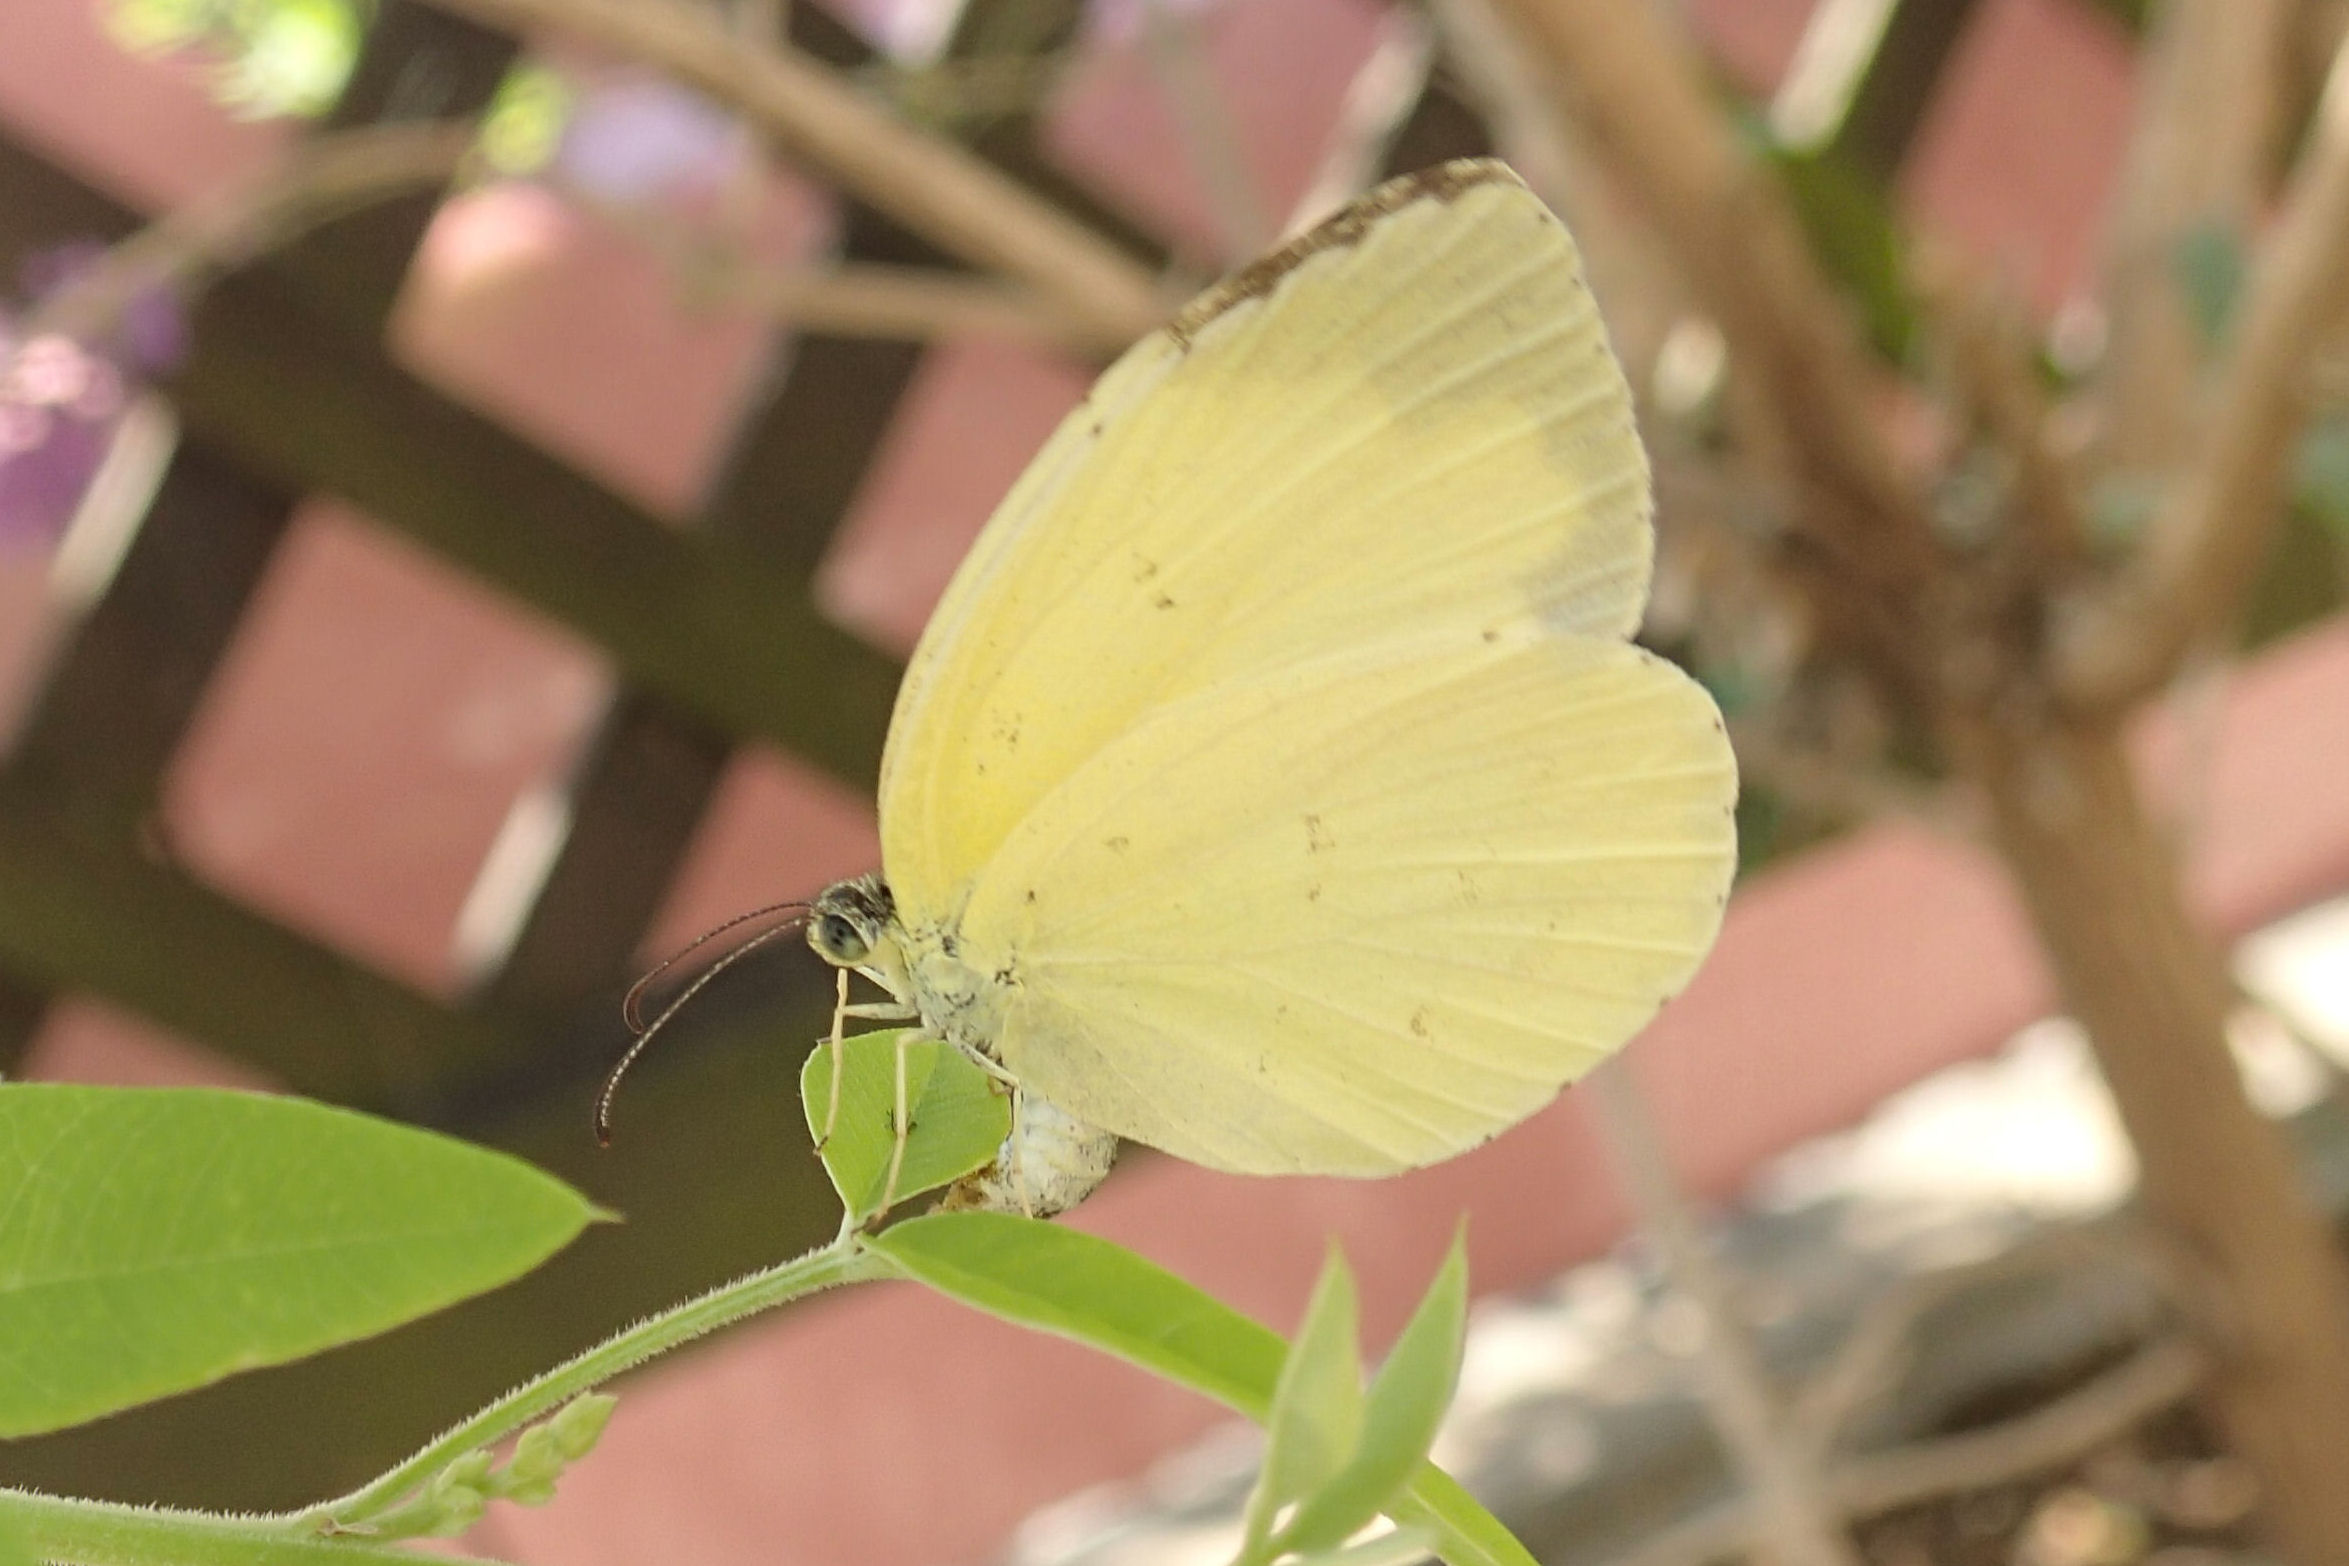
1316 1413
522 128
153 1240
959 1116
1398 1547
1406 1404
14 1551
1849 219
1058 1280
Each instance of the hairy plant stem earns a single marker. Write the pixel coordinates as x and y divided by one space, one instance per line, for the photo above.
845 1260
96 1533
105 1533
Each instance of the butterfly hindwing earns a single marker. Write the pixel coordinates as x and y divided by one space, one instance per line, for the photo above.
1359 915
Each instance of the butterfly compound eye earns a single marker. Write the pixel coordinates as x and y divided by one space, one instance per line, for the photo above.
837 939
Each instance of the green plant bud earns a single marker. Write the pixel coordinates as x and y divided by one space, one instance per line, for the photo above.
537 1460
579 1424
459 1510
467 1475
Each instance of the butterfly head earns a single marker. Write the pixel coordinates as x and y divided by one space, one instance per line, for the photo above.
853 924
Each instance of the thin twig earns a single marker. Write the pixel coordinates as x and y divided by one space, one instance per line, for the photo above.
1836 789
1990 352
1512 97
1378 102
314 182
914 304
1876 1351
933 187
1203 120
2162 1373
2212 534
1794 1518
851 299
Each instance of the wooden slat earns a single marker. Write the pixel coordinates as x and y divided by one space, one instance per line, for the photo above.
310 406
704 621
796 463
1897 83
80 912
127 682
22 1008
128 675
1441 126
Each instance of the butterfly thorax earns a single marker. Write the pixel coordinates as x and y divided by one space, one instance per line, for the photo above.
1051 1160
856 924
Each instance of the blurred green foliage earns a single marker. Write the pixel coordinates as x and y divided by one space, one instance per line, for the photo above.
2209 265
522 128
273 57
1849 219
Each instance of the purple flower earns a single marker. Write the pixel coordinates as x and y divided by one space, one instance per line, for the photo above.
637 139
47 459
149 337
60 399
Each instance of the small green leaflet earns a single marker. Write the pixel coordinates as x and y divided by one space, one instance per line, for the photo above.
958 1116
1058 1280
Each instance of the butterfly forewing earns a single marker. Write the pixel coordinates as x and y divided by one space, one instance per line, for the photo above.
1408 420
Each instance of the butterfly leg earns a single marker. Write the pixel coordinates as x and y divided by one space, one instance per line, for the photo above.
1018 1145
883 1011
832 1093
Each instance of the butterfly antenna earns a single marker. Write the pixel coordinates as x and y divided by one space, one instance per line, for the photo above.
632 1004
645 1031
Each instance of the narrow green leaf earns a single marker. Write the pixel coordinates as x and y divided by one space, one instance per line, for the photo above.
1062 1281
1398 1547
153 1240
1075 1285
1406 1404
958 1116
1466 1534
1316 1413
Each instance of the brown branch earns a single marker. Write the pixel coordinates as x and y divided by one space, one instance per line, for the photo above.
1792 1516
1990 353
2164 1372
909 303
1837 789
1864 530
2213 532
933 187
2201 152
1176 57
1876 1352
916 304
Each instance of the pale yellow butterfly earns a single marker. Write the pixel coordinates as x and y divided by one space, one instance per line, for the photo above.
1276 783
